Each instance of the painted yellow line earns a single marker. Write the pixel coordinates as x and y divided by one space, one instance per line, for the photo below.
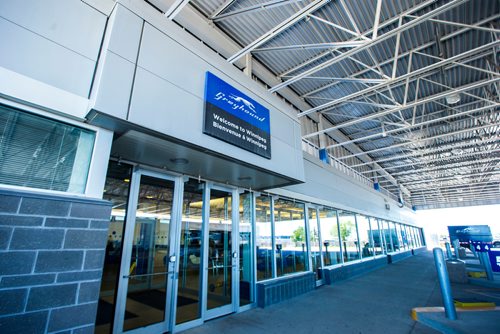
475 305
432 309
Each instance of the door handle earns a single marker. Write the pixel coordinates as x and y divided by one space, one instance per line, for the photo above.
153 274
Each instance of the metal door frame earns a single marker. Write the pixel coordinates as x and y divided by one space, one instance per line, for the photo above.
167 323
233 307
308 239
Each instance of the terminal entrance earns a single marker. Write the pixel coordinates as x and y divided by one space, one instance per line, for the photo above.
145 284
179 252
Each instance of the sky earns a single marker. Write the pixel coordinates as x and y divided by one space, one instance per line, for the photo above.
435 222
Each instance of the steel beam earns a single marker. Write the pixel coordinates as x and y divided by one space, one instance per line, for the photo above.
216 17
415 73
421 155
370 43
313 6
408 127
407 106
175 8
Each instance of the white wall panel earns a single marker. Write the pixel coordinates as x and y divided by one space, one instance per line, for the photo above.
114 85
126 33
41 59
161 106
69 23
171 61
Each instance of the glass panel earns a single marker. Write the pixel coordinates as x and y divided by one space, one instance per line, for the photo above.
116 191
399 236
394 237
246 249
43 153
365 236
290 237
330 236
146 292
314 242
263 237
378 242
348 236
188 289
220 250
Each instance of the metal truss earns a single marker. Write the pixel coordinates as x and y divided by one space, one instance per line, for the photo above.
415 117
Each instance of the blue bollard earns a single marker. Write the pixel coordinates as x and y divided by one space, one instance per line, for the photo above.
444 282
485 260
456 246
448 250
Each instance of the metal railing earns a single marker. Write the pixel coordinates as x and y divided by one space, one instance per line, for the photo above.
313 150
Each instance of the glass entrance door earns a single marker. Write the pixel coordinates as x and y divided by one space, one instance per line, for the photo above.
145 292
221 263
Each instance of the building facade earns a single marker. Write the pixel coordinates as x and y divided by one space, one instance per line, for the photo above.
147 185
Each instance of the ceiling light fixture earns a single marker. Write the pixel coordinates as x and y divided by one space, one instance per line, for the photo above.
453 98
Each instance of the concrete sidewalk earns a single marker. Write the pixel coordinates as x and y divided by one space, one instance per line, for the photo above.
377 302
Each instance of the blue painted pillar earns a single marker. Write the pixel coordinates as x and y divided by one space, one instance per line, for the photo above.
444 282
323 155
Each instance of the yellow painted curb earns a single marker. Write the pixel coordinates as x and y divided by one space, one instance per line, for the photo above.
435 309
476 274
474 305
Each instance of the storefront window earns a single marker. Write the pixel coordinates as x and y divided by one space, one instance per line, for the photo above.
396 244
290 237
188 290
38 152
263 237
314 242
387 236
365 236
378 237
399 233
349 236
246 249
330 236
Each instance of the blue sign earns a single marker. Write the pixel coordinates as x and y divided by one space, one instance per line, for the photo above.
494 255
470 233
234 117
480 246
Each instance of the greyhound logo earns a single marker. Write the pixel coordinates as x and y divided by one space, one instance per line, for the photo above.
239 99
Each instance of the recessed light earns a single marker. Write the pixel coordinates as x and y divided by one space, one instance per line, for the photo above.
179 161
244 178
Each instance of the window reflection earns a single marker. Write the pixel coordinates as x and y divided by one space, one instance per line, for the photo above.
365 236
188 298
116 191
246 249
348 235
290 237
330 236
263 237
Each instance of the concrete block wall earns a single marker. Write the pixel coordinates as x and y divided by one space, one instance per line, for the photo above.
51 256
280 289
340 273
395 257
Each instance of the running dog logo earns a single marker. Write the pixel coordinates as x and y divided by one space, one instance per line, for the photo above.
239 99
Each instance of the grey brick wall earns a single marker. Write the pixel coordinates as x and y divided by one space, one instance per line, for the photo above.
51 257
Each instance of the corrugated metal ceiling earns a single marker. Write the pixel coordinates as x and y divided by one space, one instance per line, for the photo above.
424 142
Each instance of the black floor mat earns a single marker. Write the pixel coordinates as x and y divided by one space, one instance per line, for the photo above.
156 299
105 313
